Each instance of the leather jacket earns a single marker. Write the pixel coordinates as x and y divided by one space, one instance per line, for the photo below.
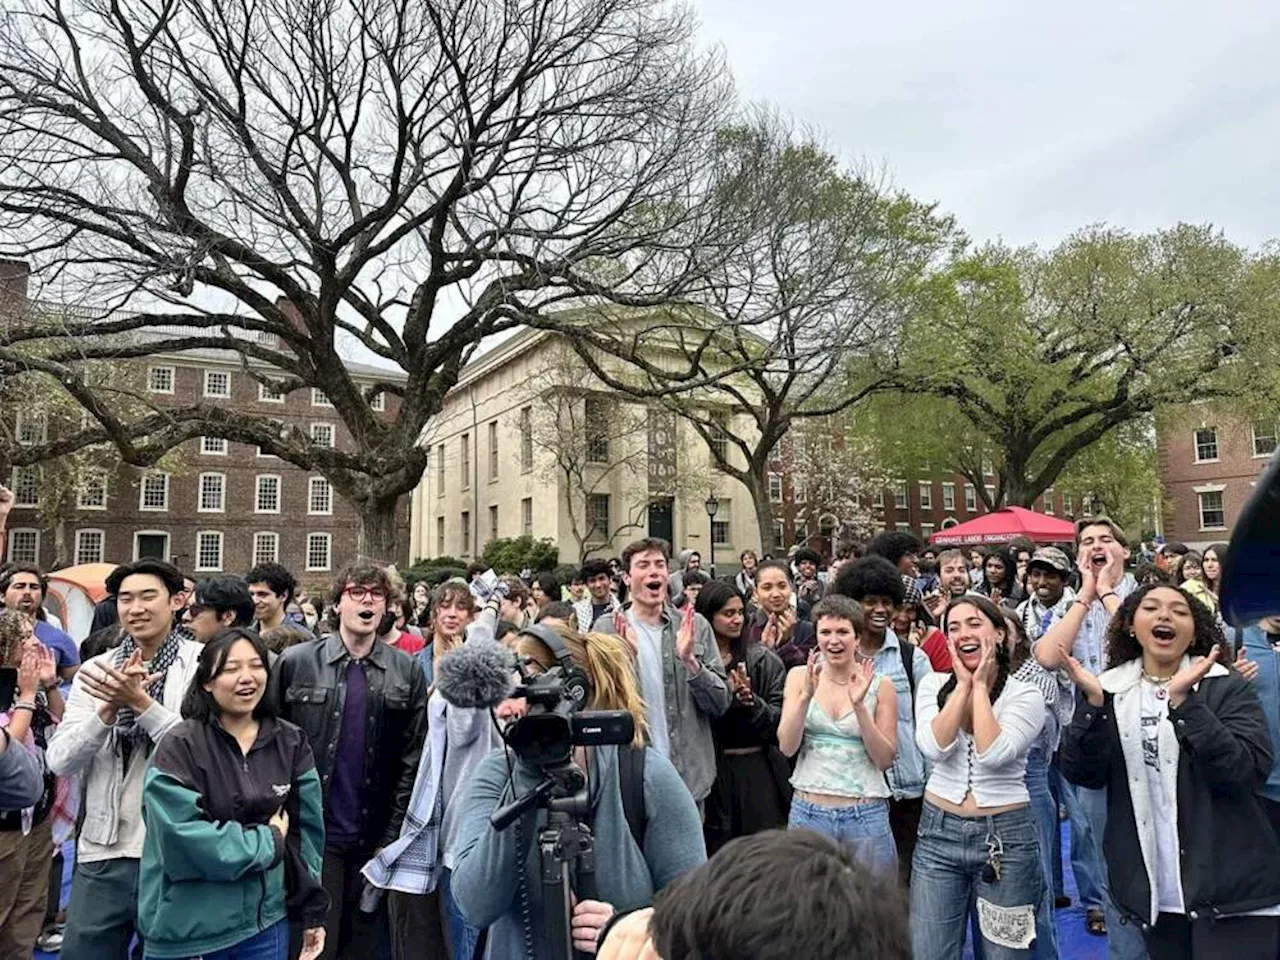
309 684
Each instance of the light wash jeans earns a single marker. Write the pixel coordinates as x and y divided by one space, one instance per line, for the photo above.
863 828
1124 940
946 880
1045 811
1086 857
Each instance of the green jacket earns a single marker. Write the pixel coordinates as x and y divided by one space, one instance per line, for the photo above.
212 872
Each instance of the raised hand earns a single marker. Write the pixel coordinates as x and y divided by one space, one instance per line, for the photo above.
786 626
963 675
741 684
47 662
860 681
1245 667
813 673
623 629
985 674
1085 681
6 503
685 649
936 604
28 675
770 634
1188 677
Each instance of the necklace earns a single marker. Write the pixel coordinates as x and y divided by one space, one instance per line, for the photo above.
1160 683
838 683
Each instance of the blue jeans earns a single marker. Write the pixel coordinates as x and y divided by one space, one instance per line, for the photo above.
946 884
862 828
462 935
270 944
1045 811
1055 789
1086 852
1124 940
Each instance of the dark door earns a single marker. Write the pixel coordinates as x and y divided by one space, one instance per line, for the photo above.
660 518
153 545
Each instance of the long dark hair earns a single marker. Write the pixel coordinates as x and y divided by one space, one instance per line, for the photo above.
1021 651
1219 551
198 704
712 598
1123 646
995 617
1010 588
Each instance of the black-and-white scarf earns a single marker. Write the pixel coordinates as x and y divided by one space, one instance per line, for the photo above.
126 732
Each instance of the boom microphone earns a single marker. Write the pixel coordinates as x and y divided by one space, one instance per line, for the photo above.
480 673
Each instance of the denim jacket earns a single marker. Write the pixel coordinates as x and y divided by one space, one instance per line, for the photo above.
1266 685
907 775
691 700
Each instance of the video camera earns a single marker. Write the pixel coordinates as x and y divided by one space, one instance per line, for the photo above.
554 724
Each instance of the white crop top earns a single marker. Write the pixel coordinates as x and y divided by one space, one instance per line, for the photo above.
996 777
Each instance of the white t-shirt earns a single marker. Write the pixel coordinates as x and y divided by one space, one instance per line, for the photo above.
1155 713
652 687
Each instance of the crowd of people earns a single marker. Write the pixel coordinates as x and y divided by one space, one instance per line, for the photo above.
874 753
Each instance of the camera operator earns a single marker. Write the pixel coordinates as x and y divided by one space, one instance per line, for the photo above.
496 877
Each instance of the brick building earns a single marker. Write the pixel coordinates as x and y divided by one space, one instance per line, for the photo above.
1210 461
218 506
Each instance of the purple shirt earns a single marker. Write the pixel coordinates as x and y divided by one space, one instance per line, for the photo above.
63 647
343 817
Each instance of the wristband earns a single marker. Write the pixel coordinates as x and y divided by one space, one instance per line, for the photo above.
1109 593
25 705
1084 603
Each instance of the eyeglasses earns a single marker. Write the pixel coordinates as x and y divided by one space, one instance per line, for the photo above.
360 593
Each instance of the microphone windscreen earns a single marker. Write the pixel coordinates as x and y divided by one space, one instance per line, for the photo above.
1250 588
477 674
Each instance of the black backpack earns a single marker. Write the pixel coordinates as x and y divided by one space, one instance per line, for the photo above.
631 783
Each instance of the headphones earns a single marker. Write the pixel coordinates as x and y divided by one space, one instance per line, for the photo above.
573 679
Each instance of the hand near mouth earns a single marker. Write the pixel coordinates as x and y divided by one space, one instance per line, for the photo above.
964 677
985 674
769 635
1188 677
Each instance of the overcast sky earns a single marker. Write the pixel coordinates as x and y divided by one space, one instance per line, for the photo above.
1028 119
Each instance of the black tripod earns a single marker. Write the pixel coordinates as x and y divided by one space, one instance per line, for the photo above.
566 850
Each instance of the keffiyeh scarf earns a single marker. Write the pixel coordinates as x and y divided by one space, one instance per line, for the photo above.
127 734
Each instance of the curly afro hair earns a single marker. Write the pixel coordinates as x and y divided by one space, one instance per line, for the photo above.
1123 646
870 576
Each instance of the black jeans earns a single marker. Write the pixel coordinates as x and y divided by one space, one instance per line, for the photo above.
349 932
1174 937
904 821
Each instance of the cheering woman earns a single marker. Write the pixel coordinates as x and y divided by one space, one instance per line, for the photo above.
1181 744
751 792
977 843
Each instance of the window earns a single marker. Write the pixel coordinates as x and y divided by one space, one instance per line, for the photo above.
155 492
802 532
719 433
213 493
1264 439
217 384
991 497
926 531
267 394
319 548
526 516
266 548
26 486
322 434
378 402
526 439
493 451
902 527
596 420
1213 515
779 533
775 488
439 536
720 525
949 497
1206 444
493 522
24 545
318 398
466 461
970 499
598 515
319 496
900 495
878 502
32 426
208 550
798 492
89 546
92 494
213 446
926 496
267 498
160 379
1048 502
466 532
440 470
151 543
1066 504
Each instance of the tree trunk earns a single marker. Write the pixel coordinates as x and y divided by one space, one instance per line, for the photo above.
59 544
757 484
379 533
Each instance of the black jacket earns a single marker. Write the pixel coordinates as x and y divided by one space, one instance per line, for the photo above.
1230 857
309 682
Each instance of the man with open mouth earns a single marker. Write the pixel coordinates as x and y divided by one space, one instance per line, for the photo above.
1102 551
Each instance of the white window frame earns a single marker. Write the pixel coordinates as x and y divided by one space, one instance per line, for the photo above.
1068 508
208 395
991 495
22 420
266 397
333 434
275 552
1047 497
949 497
494 514
378 402
878 501
102 544
142 492
1253 441
311 484
222 499
1195 445
775 488
319 398
204 568
926 531
100 475
1200 492
206 452
15 486
173 378
328 539
257 492
780 533
526 516
494 459
925 493
440 532
14 535
901 495
970 498
168 541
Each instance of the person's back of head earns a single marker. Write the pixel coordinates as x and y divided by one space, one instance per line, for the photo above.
781 895
281 638
561 610
893 545
226 594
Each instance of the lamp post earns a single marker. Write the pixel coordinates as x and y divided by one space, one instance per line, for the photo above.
712 506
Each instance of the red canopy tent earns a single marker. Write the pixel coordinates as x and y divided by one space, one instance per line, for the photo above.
1002 526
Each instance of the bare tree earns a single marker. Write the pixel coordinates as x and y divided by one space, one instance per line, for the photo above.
833 479
295 178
